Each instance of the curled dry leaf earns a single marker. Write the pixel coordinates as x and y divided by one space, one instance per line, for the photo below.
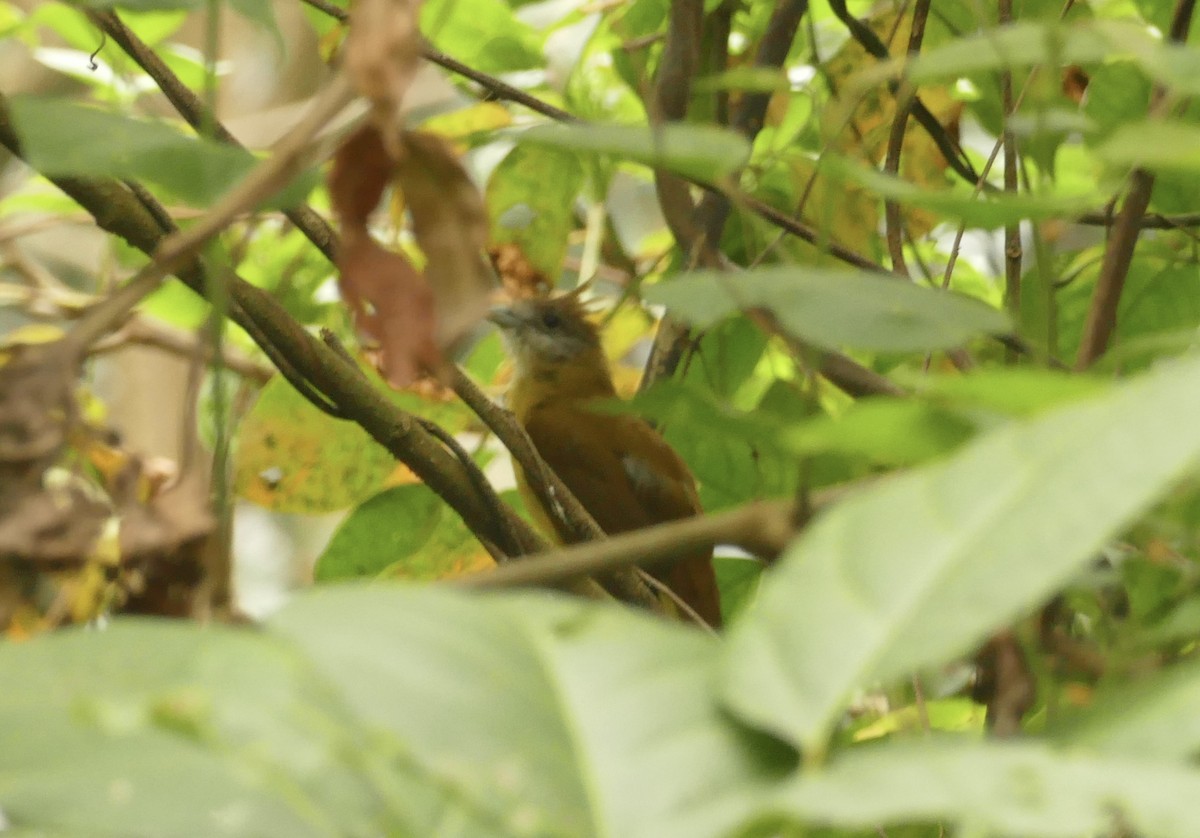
383 52
451 225
517 274
412 316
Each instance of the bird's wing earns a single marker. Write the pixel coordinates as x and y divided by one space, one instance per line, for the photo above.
628 477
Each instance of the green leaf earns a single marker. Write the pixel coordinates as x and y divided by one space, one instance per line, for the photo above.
380 531
1158 145
291 457
704 152
483 34
987 210
552 716
922 567
62 137
1024 44
886 431
737 578
1153 717
531 200
1012 391
166 729
1117 94
835 308
405 531
140 5
992 788
734 455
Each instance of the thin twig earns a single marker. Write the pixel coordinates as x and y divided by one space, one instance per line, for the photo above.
198 115
1012 232
905 99
139 331
760 527
947 145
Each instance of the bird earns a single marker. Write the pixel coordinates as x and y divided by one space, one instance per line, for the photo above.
618 466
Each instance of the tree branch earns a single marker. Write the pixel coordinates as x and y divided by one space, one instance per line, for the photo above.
1118 254
947 145
572 521
761 527
119 212
198 115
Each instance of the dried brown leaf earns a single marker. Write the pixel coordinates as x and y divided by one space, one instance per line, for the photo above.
36 402
521 280
393 304
362 169
383 52
451 225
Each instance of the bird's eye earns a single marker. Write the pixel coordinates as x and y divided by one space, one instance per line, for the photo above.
551 320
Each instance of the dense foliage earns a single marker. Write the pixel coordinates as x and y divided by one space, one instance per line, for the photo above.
927 269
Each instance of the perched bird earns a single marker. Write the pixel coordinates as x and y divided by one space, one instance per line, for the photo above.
621 470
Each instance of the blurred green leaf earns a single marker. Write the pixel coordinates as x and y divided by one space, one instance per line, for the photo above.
62 137
998 788
737 579
834 308
700 151
537 709
483 34
1149 718
987 210
885 431
1158 145
1012 391
921 567
160 728
749 79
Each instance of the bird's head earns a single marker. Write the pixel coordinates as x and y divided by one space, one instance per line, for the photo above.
549 335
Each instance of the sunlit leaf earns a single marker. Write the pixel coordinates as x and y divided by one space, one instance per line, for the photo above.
998 788
541 711
834 308
921 567
291 457
987 210
701 151
405 532
531 199
166 729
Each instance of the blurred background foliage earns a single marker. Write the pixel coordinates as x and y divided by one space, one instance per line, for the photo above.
316 500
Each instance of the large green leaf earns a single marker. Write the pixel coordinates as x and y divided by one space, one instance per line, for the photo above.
1026 43
406 532
987 211
920 568
63 137
166 729
701 151
1025 789
1158 145
1154 717
555 717
531 200
834 308
291 457
483 34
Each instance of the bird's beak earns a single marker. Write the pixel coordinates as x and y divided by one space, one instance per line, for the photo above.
504 317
